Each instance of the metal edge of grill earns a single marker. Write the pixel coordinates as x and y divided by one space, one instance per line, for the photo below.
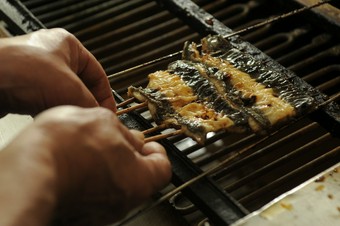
331 114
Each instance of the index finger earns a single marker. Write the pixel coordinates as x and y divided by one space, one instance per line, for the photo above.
94 77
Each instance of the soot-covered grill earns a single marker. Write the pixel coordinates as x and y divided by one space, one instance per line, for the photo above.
243 172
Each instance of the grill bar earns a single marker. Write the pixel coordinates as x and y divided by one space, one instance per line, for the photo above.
314 63
142 30
327 16
44 10
316 45
146 45
255 155
75 12
245 140
106 21
332 155
272 165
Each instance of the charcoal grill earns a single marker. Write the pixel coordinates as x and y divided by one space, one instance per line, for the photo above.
122 34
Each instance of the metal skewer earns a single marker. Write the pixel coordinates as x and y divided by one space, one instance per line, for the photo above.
268 21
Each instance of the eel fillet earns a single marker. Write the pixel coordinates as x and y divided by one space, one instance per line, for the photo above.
220 88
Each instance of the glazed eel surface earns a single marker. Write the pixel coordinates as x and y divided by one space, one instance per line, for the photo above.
220 88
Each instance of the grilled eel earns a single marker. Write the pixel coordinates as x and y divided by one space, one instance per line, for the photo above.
174 104
219 88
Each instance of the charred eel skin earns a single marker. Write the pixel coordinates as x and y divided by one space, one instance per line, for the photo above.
221 88
205 91
285 100
164 113
301 101
213 88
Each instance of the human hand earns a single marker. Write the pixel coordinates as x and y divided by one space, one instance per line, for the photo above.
49 68
99 168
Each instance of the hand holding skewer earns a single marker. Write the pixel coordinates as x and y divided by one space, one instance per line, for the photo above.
87 167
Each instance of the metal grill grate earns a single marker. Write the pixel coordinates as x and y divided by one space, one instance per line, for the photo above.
122 34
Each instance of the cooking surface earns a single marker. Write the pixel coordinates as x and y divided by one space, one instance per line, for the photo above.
312 203
122 34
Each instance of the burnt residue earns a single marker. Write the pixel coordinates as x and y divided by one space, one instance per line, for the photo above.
209 21
320 179
249 101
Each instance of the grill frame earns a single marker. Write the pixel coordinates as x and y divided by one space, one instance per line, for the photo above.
181 163
18 18
327 17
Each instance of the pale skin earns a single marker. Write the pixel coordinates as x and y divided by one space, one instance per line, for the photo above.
77 161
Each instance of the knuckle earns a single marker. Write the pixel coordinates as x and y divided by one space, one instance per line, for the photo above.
104 113
64 34
61 31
